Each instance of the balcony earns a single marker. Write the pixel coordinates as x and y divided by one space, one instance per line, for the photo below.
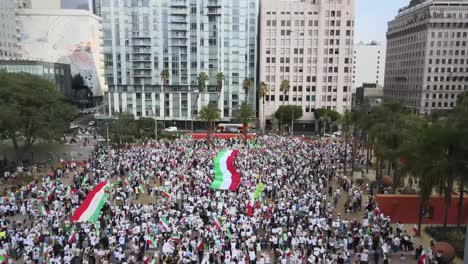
214 3
137 59
177 20
214 11
177 3
178 12
141 51
178 27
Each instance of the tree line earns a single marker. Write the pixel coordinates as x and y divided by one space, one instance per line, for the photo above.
431 149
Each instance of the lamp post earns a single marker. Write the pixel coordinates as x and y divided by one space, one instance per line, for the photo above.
155 126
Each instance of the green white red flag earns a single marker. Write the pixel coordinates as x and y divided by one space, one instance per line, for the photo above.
217 222
163 222
226 177
89 210
165 192
151 241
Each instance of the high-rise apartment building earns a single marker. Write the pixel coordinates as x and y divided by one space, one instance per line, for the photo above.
427 55
185 37
309 43
368 64
9 38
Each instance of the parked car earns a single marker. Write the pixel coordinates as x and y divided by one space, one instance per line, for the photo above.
73 126
326 135
91 123
337 134
171 129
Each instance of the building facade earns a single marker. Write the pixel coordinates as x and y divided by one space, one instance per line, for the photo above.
368 96
427 55
58 74
310 44
69 36
9 39
368 64
184 37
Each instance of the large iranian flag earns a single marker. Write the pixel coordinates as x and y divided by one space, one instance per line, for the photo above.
89 210
226 176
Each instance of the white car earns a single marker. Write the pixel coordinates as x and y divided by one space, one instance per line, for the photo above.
91 123
326 135
73 126
337 133
171 129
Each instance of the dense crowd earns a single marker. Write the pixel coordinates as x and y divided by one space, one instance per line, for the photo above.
293 220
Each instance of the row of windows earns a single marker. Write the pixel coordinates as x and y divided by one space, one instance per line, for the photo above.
447 34
450 52
447 87
448 78
439 104
440 96
448 61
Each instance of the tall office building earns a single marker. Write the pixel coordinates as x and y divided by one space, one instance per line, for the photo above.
368 64
9 38
427 55
186 37
309 43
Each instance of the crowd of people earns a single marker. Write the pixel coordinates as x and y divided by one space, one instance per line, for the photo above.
161 209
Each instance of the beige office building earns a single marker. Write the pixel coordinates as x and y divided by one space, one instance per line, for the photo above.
427 55
309 43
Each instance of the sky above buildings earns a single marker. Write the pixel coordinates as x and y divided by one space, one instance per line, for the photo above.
372 17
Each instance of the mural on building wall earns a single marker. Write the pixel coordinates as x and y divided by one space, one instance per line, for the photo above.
73 39
80 58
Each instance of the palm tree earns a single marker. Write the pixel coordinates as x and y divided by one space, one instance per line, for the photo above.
246 86
219 82
202 78
165 82
209 114
461 123
244 114
284 87
262 89
346 124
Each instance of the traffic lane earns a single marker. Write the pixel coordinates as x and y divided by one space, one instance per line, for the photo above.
83 120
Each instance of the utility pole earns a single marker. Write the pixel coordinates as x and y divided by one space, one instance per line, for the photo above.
107 136
155 128
292 122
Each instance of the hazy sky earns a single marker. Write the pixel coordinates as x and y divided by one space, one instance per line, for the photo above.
372 17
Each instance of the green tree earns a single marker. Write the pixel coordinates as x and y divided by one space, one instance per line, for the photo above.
146 126
202 79
326 117
262 90
78 84
288 113
219 82
346 122
123 127
284 88
31 110
244 114
209 114
421 166
246 86
461 124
